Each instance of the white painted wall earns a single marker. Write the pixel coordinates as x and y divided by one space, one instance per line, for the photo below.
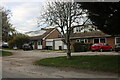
33 46
39 46
74 30
65 46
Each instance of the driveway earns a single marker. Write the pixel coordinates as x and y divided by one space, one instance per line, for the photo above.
20 65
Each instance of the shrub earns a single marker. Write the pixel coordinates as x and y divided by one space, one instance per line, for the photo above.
81 47
11 43
18 41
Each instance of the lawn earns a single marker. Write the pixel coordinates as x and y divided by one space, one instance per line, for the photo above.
10 49
6 53
107 63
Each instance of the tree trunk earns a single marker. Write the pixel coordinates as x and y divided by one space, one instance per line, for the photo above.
68 51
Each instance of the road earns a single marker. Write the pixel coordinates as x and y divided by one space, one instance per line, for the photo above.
20 65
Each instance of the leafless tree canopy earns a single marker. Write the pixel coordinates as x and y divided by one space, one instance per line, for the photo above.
64 15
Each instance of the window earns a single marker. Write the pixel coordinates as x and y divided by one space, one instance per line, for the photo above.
78 29
85 40
117 40
82 40
39 42
96 40
100 40
78 40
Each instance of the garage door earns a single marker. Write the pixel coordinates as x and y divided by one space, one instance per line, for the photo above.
49 43
58 45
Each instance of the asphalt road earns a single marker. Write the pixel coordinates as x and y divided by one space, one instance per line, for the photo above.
20 65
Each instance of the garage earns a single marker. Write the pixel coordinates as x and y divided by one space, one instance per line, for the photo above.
58 45
49 44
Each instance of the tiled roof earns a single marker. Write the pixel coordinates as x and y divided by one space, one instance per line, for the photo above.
89 34
43 35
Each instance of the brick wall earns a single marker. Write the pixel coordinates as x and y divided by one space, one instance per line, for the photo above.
90 40
43 44
111 41
35 44
53 35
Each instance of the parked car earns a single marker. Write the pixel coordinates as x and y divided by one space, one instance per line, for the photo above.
117 47
5 45
101 47
27 47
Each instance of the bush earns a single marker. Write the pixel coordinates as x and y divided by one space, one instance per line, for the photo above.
81 47
18 41
11 43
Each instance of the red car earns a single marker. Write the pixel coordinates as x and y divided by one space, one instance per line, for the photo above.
101 47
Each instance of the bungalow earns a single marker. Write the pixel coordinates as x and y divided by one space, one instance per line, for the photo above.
94 36
43 39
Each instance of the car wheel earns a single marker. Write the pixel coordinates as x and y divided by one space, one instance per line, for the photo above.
101 50
93 50
116 50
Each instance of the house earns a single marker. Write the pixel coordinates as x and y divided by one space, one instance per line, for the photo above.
59 44
92 36
49 38
43 39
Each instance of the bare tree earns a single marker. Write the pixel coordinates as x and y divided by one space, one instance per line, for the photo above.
64 15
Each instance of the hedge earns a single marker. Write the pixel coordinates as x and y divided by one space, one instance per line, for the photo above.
81 47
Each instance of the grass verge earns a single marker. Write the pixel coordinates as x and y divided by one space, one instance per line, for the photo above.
6 53
57 51
107 63
10 49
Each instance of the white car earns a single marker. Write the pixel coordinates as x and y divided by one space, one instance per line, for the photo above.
5 45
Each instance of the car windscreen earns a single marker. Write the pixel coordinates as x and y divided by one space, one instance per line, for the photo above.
104 44
95 44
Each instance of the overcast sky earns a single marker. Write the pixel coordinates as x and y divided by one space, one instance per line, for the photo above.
24 14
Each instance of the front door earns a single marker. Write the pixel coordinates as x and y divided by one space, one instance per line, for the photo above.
39 43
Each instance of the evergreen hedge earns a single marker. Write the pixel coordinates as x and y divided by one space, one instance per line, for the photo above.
81 47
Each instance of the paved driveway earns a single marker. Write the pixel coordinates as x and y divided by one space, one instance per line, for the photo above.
20 65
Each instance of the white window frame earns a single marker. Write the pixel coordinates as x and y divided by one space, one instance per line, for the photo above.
39 41
77 29
79 40
99 40
116 39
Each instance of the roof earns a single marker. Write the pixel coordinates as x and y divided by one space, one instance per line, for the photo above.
89 34
41 36
36 33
